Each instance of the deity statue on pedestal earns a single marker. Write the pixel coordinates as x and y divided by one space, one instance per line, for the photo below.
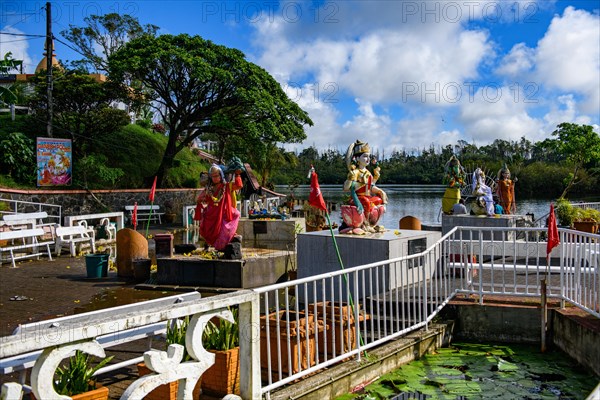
505 190
455 180
216 209
367 202
484 203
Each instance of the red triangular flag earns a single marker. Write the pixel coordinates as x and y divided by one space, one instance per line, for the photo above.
152 191
315 197
134 216
553 239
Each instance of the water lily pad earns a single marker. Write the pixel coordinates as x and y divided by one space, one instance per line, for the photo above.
488 371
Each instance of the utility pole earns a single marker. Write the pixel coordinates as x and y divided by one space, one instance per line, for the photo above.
49 51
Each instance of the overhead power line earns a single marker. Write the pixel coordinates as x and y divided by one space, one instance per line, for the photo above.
21 34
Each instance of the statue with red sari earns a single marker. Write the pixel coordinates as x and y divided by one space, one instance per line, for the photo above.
505 190
216 206
367 202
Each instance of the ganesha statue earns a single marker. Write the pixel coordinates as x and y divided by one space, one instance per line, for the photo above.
367 202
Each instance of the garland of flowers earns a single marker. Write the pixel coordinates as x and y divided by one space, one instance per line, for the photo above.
217 199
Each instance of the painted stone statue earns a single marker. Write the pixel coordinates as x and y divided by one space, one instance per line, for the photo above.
454 178
505 190
216 206
367 202
484 203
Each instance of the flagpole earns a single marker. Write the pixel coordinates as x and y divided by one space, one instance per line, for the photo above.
337 251
316 200
149 217
152 194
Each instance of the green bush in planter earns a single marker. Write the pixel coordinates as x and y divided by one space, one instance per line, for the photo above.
223 335
77 376
586 214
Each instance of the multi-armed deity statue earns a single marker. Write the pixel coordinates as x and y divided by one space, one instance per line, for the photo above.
505 190
454 178
367 202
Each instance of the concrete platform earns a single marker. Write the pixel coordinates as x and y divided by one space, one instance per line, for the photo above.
483 221
259 267
270 234
317 254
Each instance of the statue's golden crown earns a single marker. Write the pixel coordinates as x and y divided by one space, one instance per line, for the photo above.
360 148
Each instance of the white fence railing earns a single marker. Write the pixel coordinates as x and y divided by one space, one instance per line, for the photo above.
297 328
18 206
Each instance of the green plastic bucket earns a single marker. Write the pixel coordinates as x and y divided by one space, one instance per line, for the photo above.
104 264
94 264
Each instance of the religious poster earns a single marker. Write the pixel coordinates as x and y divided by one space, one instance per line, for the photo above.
54 163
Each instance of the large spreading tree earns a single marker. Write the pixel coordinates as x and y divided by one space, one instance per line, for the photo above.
204 90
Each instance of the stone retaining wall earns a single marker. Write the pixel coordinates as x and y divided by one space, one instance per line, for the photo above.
79 202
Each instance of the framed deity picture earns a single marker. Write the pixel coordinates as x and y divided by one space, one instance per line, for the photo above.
54 162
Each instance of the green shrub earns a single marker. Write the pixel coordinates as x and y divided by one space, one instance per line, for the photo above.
176 331
18 159
77 376
223 335
92 172
564 212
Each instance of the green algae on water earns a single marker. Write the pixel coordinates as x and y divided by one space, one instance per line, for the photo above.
485 371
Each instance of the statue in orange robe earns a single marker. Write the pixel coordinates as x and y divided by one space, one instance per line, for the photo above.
505 190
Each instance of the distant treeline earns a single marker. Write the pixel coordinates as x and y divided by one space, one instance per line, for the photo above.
541 170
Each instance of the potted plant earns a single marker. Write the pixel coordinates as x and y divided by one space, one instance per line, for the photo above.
222 338
586 219
76 378
279 328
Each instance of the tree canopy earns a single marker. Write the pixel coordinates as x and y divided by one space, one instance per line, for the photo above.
580 145
81 105
103 35
204 90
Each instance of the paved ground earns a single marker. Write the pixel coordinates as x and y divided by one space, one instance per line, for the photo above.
41 289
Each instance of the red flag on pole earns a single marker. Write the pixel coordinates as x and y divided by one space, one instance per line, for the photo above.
315 198
553 239
152 191
134 216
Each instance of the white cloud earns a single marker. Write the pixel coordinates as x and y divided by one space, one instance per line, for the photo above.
499 116
568 56
519 61
564 109
19 47
368 126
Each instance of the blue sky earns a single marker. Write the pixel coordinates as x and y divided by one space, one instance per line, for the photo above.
398 74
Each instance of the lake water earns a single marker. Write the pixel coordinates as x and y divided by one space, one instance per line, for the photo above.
421 201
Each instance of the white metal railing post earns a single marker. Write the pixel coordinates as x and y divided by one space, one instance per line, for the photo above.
562 250
249 335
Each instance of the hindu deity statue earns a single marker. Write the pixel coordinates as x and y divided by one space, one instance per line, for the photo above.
455 180
505 190
367 202
484 203
216 209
